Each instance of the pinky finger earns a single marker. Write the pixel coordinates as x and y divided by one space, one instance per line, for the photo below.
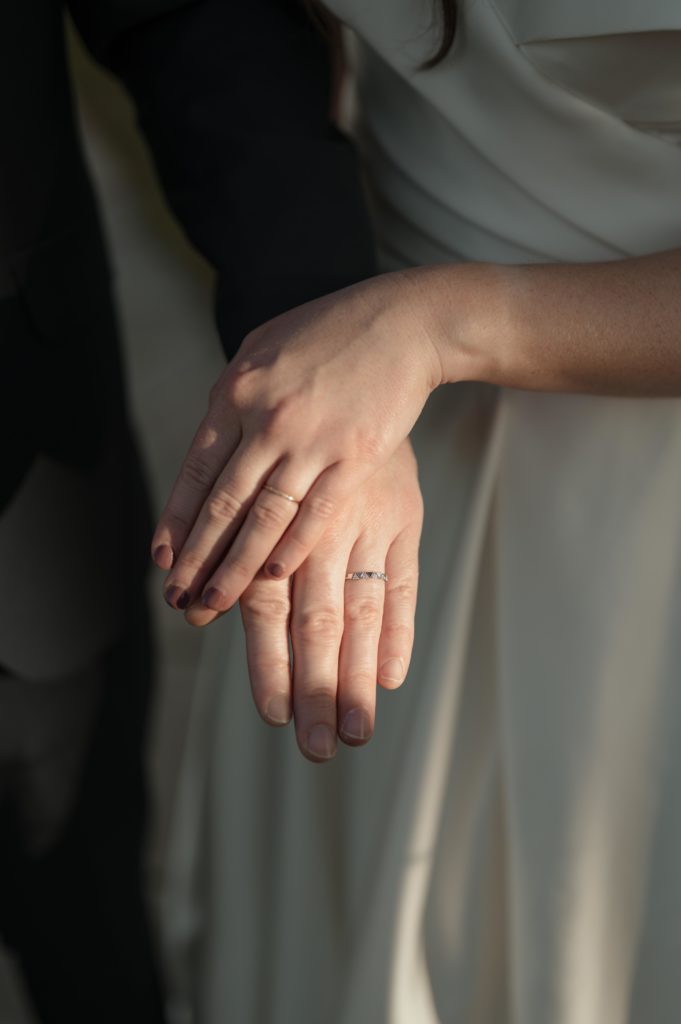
397 632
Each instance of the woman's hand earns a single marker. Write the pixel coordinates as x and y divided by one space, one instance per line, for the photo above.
346 635
320 397
315 402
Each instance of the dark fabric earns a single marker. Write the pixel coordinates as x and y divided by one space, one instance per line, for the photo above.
74 535
52 262
74 917
234 100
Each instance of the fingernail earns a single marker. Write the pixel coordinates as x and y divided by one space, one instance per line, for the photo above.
274 569
392 671
321 742
163 556
356 725
177 597
278 710
214 599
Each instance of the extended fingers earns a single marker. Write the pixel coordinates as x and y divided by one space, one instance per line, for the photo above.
397 631
318 509
212 446
291 511
316 630
273 507
265 609
212 562
363 615
243 518
217 536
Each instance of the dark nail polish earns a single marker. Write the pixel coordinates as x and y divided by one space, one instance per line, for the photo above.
177 597
163 556
213 599
274 569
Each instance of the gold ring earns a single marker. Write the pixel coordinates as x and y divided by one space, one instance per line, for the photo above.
282 494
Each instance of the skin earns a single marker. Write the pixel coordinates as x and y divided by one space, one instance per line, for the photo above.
346 635
320 399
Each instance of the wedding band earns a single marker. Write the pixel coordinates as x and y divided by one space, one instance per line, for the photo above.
366 576
282 494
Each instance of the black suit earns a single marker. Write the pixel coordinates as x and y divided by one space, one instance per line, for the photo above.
233 99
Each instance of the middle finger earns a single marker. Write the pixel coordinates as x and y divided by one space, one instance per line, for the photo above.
273 509
316 630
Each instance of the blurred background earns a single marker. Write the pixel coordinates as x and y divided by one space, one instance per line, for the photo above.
164 297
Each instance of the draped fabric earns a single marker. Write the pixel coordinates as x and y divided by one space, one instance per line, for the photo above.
506 848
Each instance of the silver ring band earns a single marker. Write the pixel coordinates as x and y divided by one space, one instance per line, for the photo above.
366 576
282 494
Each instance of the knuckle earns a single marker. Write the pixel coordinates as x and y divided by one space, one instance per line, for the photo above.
260 606
317 624
267 514
206 436
405 591
365 611
271 668
235 567
175 521
321 507
196 473
398 635
191 560
321 701
223 505
358 680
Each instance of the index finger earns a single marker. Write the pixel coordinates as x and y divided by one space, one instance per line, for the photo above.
212 446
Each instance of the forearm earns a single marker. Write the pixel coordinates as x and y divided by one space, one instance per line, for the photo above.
603 328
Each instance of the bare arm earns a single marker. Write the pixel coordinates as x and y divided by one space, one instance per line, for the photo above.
605 328
321 396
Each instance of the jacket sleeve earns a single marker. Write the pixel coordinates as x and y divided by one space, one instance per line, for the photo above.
233 98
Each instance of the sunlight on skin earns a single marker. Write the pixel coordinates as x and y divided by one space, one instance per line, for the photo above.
347 635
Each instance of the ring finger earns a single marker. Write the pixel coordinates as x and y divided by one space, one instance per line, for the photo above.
363 615
238 497
270 514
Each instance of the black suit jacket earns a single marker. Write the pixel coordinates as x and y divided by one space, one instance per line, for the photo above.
233 99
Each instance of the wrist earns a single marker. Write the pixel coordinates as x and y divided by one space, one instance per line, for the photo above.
466 312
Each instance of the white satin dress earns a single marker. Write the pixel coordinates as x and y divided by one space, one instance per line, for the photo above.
507 849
